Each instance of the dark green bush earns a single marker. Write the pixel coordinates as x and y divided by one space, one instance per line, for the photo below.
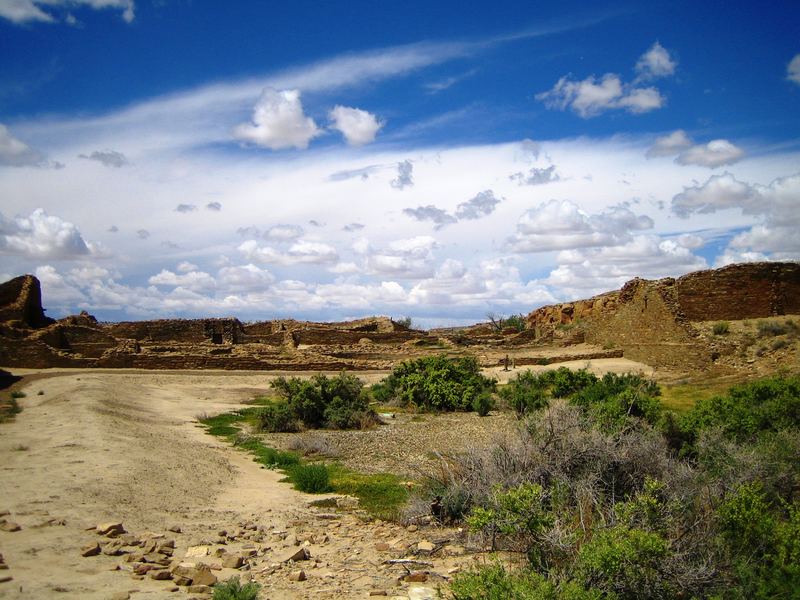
436 383
747 410
312 479
232 589
483 403
277 418
16 394
494 582
335 402
524 394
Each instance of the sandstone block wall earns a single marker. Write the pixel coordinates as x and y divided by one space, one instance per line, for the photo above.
746 291
21 300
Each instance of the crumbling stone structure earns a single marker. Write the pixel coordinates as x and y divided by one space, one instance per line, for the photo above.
651 320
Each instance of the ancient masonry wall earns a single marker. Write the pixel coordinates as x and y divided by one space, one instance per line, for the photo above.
195 331
746 291
21 300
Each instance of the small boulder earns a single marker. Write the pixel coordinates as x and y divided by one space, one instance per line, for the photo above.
110 529
203 576
163 575
91 550
232 561
297 575
297 555
425 546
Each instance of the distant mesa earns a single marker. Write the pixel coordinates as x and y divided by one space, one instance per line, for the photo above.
654 322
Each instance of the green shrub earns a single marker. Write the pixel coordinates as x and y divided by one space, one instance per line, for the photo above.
436 383
335 402
277 418
483 403
269 457
524 394
765 405
626 563
515 321
16 394
232 589
721 328
494 582
312 479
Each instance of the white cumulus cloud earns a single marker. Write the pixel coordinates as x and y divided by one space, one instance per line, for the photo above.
278 122
300 252
561 224
40 235
713 154
592 96
358 126
656 62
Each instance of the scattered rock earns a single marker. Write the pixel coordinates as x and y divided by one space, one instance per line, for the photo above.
91 550
418 577
6 578
111 529
382 547
232 561
175 528
9 526
378 593
297 555
412 528
202 575
425 546
451 550
196 551
297 575
421 593
160 575
199 589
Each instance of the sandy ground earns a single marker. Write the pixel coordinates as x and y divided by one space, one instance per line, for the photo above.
98 446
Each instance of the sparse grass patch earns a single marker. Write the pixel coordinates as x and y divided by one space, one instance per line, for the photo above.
16 394
683 396
20 448
381 494
771 328
721 328
778 344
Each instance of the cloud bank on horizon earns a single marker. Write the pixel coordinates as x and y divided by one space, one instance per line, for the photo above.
439 177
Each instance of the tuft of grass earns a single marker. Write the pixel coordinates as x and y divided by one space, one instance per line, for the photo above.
311 478
16 394
20 448
721 328
9 409
232 589
771 328
267 456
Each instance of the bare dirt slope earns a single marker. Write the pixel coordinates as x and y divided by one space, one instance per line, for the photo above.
98 447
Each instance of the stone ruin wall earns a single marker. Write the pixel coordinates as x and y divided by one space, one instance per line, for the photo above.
21 300
651 320
746 291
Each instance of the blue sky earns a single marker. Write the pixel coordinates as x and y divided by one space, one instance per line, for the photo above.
440 160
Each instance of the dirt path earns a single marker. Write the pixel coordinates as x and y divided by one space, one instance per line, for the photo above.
96 447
